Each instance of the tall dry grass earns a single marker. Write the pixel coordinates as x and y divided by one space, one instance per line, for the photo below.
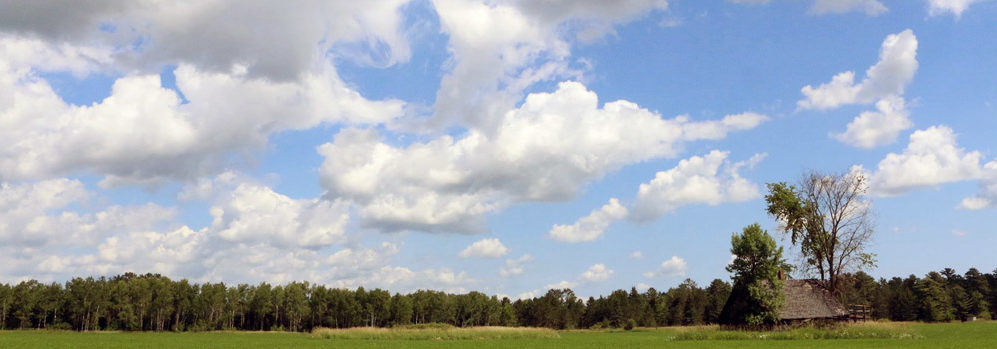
867 330
435 333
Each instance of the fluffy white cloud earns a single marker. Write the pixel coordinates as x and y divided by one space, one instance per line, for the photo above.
975 203
561 285
546 150
869 7
888 77
487 248
590 227
875 128
821 7
48 225
596 273
528 294
932 157
55 229
253 213
492 67
675 266
709 179
242 84
953 7
515 266
156 136
885 82
41 215
591 18
988 190
18 54
217 35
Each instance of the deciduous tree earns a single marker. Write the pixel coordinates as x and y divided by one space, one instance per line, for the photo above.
828 217
756 267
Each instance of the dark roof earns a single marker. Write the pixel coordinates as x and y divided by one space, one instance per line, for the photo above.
804 299
807 299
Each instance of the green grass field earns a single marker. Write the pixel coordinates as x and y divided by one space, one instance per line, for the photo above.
875 335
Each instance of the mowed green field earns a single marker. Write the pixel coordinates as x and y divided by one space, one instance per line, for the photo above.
913 335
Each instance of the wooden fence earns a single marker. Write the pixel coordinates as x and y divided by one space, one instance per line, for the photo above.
859 312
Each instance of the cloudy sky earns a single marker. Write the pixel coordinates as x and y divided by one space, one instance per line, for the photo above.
500 146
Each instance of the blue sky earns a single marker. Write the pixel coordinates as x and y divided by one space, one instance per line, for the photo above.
501 146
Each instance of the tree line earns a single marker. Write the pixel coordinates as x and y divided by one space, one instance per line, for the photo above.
938 296
153 302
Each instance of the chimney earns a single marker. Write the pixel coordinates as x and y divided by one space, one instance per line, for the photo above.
782 275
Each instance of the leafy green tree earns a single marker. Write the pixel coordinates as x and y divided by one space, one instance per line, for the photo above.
756 267
401 310
650 301
49 305
935 301
978 288
6 301
26 297
296 305
183 303
857 288
161 305
828 217
716 295
375 305
992 281
904 305
507 315
261 305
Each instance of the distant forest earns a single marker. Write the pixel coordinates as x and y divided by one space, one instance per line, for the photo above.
152 302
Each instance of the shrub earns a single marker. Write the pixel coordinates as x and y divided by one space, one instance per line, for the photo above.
630 324
426 326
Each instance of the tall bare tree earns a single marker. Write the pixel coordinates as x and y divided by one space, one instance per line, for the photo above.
828 216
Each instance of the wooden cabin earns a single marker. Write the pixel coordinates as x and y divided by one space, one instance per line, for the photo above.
808 300
805 301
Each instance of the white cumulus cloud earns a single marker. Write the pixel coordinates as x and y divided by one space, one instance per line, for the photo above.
884 83
822 7
157 136
487 248
493 67
875 128
40 214
931 158
596 273
869 7
987 196
675 266
545 150
590 227
515 266
953 7
564 284
215 36
709 179
889 76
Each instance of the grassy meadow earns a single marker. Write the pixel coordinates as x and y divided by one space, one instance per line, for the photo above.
870 335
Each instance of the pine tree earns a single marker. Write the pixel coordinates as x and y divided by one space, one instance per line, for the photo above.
935 302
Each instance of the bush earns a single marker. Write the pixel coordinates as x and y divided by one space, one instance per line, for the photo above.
61 326
426 326
630 325
601 325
